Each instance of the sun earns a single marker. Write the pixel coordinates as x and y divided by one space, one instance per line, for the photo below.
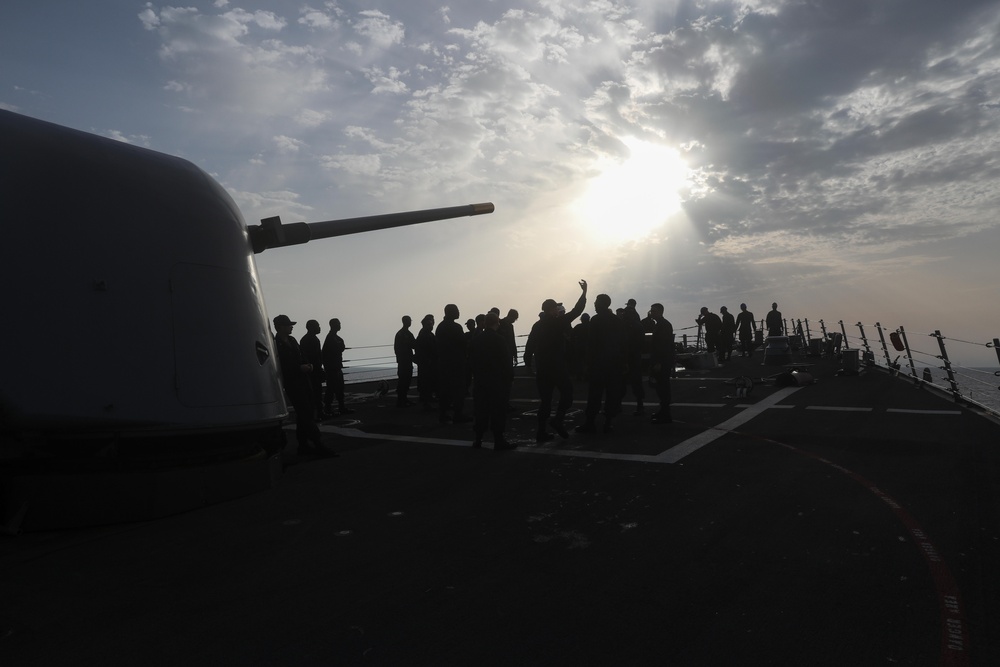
632 197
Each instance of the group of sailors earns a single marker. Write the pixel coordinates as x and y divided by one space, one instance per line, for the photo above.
605 349
304 367
608 345
720 330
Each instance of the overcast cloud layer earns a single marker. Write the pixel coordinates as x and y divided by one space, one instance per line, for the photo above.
842 154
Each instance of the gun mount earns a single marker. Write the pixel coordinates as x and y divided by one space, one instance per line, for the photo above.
138 338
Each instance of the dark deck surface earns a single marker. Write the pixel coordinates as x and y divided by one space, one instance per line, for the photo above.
814 525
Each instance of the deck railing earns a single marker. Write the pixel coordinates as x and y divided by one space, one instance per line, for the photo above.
891 350
878 346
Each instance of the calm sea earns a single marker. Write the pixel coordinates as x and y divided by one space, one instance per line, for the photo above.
980 384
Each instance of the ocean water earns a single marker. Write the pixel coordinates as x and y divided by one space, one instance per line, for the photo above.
356 374
979 384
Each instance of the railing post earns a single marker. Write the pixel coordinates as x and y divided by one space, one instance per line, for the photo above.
885 348
843 331
996 347
909 356
808 332
947 365
864 341
822 327
784 325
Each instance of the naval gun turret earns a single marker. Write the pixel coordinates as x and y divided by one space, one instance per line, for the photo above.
134 328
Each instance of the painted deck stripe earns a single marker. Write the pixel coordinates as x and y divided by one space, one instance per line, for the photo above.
698 405
356 433
693 444
587 454
924 412
954 625
773 407
837 408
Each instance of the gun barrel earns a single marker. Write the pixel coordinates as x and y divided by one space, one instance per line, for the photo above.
272 234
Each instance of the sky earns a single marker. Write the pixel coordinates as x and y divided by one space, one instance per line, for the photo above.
839 157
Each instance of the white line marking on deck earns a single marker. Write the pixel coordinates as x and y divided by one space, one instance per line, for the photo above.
587 454
773 407
837 408
355 433
924 412
698 405
693 444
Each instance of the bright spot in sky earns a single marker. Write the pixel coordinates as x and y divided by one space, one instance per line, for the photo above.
631 198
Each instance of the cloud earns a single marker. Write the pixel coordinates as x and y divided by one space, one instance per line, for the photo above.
135 139
386 82
362 165
853 124
321 19
288 144
312 117
259 204
379 28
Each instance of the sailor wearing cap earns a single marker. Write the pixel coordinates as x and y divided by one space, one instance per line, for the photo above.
295 379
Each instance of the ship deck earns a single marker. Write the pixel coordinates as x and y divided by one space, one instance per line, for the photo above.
852 521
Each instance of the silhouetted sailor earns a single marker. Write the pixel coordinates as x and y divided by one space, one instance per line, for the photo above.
492 372
506 332
529 345
472 329
549 352
746 326
451 349
661 361
313 354
505 329
636 338
726 334
295 379
607 357
713 325
775 325
578 348
427 361
403 346
333 362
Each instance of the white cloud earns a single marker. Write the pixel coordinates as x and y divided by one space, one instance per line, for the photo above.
148 16
386 82
379 28
312 117
258 205
135 139
260 18
360 165
287 144
317 18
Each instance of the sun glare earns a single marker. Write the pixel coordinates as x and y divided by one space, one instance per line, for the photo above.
631 198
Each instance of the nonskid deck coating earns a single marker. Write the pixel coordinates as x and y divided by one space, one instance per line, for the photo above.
779 542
